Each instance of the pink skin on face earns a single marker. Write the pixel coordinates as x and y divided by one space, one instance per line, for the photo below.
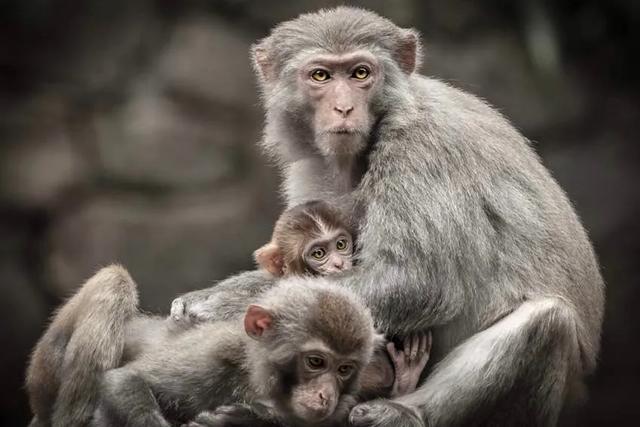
341 99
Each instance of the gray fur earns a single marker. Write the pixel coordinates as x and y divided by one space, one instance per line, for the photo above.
102 363
462 231
65 369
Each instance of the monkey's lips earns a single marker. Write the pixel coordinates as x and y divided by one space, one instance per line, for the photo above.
344 131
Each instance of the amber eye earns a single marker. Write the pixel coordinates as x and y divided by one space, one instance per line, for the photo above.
345 370
318 253
341 244
361 73
315 362
319 75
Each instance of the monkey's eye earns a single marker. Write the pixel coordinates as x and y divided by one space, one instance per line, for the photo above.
361 73
315 362
342 244
345 370
318 253
320 75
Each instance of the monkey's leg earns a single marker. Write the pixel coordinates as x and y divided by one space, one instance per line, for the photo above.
85 338
223 301
515 372
127 400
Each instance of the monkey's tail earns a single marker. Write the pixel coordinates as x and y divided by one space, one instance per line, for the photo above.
85 338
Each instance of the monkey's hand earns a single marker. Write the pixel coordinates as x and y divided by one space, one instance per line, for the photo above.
224 301
409 362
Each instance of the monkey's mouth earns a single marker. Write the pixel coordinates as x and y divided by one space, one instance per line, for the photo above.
344 131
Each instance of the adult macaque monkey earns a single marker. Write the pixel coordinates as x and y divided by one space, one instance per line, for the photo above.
460 228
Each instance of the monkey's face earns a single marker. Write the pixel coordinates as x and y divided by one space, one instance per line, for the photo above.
329 253
323 376
338 90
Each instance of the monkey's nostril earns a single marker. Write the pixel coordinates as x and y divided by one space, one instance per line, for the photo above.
344 111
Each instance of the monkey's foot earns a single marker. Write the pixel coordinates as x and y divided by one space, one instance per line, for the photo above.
193 307
233 416
382 413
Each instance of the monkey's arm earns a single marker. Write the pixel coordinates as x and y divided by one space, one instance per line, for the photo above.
222 301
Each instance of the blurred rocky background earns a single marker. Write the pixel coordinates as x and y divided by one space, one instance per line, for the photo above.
128 130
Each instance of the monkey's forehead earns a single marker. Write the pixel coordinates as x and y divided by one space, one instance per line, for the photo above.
318 344
331 30
343 325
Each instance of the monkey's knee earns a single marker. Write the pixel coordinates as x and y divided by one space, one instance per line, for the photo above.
552 329
113 281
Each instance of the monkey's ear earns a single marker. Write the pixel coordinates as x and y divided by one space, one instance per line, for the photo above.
262 61
257 320
408 52
270 258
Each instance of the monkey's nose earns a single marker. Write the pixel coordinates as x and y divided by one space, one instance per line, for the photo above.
339 264
343 111
323 399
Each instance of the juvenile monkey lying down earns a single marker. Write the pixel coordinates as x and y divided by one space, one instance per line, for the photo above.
295 358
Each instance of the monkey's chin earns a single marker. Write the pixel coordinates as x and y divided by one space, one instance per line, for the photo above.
312 416
341 143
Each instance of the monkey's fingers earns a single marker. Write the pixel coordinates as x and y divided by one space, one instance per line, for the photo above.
406 347
397 357
415 347
425 349
422 346
392 350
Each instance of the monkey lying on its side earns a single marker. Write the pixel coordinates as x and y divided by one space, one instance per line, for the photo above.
294 358
313 238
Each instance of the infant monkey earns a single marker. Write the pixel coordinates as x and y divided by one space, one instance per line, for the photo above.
313 238
310 238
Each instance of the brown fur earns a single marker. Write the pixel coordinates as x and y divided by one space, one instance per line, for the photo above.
295 227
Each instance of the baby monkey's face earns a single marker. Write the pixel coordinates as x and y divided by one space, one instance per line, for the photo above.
329 253
310 238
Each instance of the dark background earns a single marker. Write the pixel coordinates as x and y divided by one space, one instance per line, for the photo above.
128 130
